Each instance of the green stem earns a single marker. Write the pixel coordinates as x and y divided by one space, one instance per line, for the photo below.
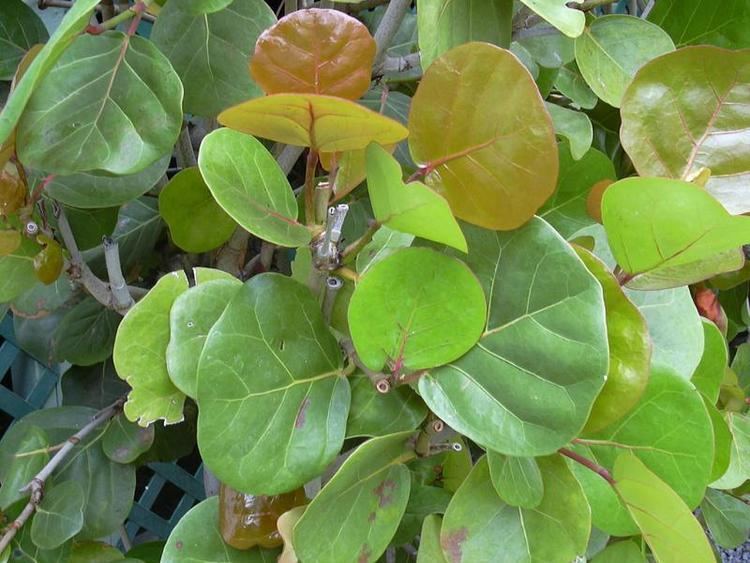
505 20
351 251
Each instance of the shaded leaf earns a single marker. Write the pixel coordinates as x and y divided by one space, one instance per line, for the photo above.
627 551
739 457
59 516
574 126
93 386
124 441
429 541
517 480
20 29
571 84
17 270
485 163
700 21
569 20
710 371
728 518
41 300
23 465
722 441
86 334
112 102
384 242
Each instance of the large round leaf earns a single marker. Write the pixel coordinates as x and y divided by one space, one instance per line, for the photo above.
140 355
527 388
273 402
210 51
196 538
90 190
195 220
482 151
191 318
478 526
629 350
416 309
250 186
682 112
20 29
333 55
613 48
703 22
325 123
112 102
662 228
371 488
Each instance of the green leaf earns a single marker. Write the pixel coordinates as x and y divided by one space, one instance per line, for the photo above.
89 226
681 112
147 552
59 516
248 184
429 541
272 391
668 526
108 487
517 480
566 209
210 50
23 550
140 355
613 48
626 551
75 20
17 270
384 242
196 539
445 24
86 334
41 300
23 465
195 220
94 552
629 350
124 441
397 106
91 190
710 371
377 414
20 29
372 489
191 318
571 84
728 518
670 431
478 151
550 51
93 386
415 309
478 525
722 441
112 103
700 21
527 387
739 458
674 326
574 126
569 20
411 208
656 224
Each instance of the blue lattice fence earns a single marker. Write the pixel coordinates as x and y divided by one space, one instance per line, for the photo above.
169 491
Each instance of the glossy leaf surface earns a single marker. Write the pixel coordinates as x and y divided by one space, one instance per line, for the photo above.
333 55
247 183
527 388
557 12
484 162
415 309
377 414
111 103
271 383
517 480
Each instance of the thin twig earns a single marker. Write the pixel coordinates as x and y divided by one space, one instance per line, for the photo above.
35 487
586 462
379 380
388 27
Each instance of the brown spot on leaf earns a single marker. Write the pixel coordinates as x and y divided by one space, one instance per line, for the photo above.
371 517
451 543
301 413
384 492
364 554
178 545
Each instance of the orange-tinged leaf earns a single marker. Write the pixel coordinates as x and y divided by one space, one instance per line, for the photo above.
479 128
10 240
594 199
324 123
315 52
48 264
12 194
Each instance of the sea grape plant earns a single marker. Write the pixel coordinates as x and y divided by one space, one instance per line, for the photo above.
496 312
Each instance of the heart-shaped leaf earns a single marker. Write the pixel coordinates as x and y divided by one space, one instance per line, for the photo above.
325 123
21 30
209 49
667 525
478 522
517 480
527 387
655 225
613 48
415 309
411 208
140 354
273 391
191 318
377 414
629 350
112 102
59 516
249 185
195 220
683 110
372 489
333 55
484 162
566 18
